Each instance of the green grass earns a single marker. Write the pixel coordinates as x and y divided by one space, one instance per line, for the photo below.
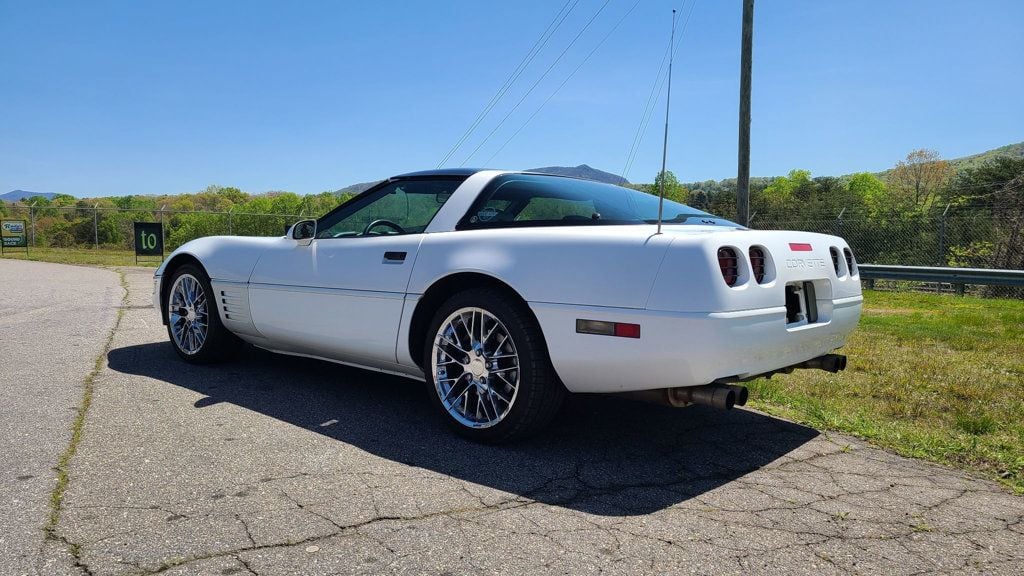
929 376
87 256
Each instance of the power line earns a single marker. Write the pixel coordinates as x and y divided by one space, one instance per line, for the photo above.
564 82
659 84
514 75
535 84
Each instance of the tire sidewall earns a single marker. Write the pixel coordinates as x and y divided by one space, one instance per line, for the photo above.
533 362
211 350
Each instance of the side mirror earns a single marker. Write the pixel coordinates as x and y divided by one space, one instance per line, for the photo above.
304 231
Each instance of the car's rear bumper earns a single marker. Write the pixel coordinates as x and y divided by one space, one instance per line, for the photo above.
685 349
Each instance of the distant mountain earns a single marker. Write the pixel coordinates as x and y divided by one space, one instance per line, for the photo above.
971 161
1012 150
583 171
16 195
357 188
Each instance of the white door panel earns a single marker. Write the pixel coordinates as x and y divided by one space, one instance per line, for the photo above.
340 298
343 325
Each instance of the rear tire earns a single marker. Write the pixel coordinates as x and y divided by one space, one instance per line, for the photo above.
487 367
193 323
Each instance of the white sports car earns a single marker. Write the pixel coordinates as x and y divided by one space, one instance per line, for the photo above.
506 290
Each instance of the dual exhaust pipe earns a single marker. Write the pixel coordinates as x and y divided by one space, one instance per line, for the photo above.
828 362
721 396
724 396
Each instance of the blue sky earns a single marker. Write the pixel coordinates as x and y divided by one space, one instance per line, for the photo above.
114 98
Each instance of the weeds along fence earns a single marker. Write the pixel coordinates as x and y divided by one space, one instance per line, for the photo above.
111 228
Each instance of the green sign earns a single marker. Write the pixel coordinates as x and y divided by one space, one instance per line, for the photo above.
149 239
13 234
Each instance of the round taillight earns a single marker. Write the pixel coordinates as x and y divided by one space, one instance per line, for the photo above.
835 258
849 261
757 263
729 263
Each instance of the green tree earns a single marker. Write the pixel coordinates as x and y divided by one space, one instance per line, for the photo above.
869 189
673 189
784 189
916 181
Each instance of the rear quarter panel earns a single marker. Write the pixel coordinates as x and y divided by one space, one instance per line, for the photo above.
566 265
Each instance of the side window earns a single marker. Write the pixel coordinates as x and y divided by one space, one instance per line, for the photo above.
399 207
524 200
557 209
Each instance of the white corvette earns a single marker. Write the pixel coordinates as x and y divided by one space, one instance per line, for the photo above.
504 290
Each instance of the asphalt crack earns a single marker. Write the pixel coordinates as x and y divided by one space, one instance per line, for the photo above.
77 429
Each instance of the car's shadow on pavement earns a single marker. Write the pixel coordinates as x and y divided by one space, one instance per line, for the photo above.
603 455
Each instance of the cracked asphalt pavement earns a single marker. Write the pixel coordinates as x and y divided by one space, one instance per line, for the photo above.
275 465
54 323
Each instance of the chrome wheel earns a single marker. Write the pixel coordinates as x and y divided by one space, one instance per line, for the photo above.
476 367
187 314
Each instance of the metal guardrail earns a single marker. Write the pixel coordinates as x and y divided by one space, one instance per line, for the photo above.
958 277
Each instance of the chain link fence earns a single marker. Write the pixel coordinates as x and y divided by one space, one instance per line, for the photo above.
963 238
111 228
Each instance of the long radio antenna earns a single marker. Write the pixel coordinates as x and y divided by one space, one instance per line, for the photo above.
668 100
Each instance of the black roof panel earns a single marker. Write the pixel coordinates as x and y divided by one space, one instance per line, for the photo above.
441 172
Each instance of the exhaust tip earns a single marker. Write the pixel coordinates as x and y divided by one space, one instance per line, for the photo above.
741 394
835 362
725 398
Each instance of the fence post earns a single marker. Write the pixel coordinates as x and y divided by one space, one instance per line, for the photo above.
942 236
230 223
96 224
163 230
32 219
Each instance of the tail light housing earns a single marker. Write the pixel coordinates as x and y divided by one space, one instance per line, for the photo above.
849 260
835 258
729 263
757 260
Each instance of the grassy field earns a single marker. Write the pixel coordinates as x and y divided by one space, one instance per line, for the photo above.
930 376
90 256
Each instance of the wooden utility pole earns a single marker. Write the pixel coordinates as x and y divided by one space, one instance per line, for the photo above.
743 168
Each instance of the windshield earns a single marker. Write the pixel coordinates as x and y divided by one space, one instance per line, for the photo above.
539 200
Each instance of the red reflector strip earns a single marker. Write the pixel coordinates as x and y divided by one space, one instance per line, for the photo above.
620 329
799 247
627 330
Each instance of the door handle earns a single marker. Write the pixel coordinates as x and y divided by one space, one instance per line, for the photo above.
394 257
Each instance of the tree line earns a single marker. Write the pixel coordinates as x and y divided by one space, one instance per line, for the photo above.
921 211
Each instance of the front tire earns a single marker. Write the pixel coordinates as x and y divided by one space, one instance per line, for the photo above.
488 369
193 324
